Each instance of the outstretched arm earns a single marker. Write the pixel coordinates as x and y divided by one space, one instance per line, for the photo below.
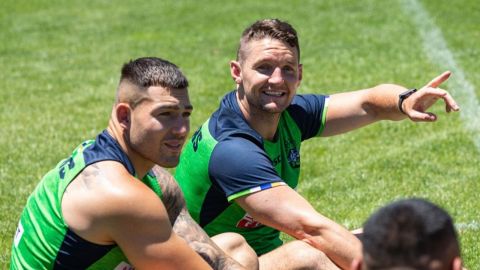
284 209
186 227
351 110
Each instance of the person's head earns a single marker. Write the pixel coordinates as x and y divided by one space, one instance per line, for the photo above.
409 234
267 70
267 29
152 110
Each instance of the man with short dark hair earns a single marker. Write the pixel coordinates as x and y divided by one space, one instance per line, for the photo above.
240 170
409 234
101 207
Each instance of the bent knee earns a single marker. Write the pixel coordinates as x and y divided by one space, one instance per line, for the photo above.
230 240
237 247
305 256
233 243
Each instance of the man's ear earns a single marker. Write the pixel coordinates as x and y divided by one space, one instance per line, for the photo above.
299 75
457 264
122 111
356 264
236 72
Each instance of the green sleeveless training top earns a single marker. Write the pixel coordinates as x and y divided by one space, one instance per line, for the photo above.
43 239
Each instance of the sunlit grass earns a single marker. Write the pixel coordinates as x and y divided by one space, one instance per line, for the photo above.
61 60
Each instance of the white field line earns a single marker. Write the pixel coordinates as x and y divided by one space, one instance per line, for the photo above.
472 226
437 51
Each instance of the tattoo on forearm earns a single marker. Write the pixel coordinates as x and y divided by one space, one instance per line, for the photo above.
198 239
185 227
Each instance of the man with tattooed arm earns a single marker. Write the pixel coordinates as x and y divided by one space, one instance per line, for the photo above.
101 207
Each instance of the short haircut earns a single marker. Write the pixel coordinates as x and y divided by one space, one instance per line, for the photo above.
152 71
145 72
268 28
408 234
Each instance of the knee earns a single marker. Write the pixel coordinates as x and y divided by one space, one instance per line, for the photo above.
237 247
306 256
232 242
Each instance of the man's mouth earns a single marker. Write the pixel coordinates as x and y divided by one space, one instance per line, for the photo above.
175 146
272 93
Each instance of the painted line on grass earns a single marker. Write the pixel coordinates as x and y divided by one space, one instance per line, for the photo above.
473 226
437 51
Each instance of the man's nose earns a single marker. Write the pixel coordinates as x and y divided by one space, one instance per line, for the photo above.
182 126
277 76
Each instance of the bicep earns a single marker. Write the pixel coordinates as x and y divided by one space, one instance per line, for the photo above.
347 111
188 229
183 224
143 232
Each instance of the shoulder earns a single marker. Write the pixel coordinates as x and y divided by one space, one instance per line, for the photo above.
106 193
228 120
239 164
237 147
112 182
308 112
308 102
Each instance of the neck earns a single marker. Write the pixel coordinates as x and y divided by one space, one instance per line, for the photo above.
140 165
263 122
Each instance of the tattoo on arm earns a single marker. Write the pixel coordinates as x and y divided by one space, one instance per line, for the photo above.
185 227
172 196
89 176
198 239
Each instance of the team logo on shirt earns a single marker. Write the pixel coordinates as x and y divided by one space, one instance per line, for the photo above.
294 158
247 222
293 155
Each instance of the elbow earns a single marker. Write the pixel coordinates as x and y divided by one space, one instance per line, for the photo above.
308 227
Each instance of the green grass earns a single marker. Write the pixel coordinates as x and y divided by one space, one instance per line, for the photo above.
61 59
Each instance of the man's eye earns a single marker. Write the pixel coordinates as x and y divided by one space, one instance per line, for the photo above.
186 114
165 114
264 68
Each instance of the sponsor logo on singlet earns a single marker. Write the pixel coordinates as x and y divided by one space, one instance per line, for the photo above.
248 222
18 234
124 266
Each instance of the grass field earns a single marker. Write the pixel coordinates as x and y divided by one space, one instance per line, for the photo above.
60 64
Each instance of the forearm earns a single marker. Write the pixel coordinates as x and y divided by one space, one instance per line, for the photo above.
284 209
352 110
185 227
381 102
336 242
199 241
